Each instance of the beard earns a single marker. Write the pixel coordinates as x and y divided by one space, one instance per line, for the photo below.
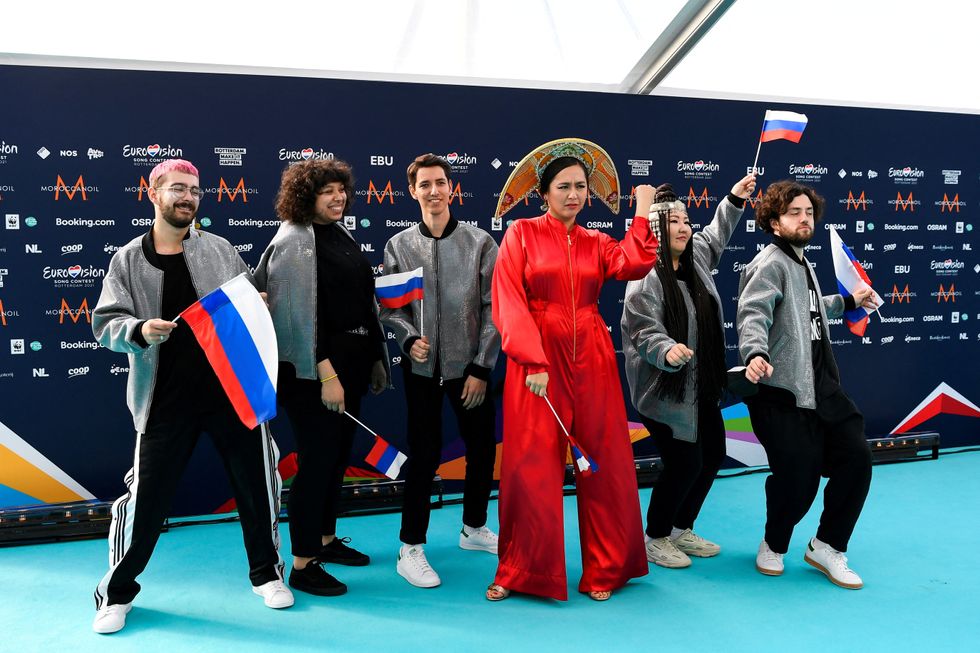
169 214
798 239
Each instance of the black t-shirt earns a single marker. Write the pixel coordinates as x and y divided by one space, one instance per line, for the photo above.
185 378
345 292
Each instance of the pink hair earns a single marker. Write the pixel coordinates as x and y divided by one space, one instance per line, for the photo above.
172 165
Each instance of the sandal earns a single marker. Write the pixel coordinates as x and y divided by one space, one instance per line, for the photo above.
599 595
497 592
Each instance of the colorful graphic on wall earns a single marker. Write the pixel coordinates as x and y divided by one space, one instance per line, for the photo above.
942 400
27 477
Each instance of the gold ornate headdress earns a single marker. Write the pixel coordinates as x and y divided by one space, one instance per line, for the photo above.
526 177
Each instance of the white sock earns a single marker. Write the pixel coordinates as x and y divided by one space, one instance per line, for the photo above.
406 547
817 544
676 532
469 530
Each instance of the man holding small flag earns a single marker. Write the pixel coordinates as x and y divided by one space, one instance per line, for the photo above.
450 350
808 426
174 392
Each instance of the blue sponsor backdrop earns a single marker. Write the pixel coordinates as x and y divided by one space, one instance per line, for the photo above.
76 147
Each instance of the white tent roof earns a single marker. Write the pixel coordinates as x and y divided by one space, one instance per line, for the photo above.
898 53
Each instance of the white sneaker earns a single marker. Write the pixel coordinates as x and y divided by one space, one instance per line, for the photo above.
833 563
111 618
768 562
413 567
275 593
661 551
693 544
480 539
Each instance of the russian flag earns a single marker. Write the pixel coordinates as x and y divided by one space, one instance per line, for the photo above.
385 458
782 125
234 328
397 290
850 278
584 465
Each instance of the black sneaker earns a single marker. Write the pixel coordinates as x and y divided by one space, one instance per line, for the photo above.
339 553
313 580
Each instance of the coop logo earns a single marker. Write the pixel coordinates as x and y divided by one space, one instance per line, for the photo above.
244 248
903 297
150 155
379 196
74 314
886 340
948 268
74 276
808 172
306 154
698 199
79 187
944 295
232 193
858 202
78 371
139 189
951 205
460 162
906 175
459 194
71 249
889 247
699 169
905 203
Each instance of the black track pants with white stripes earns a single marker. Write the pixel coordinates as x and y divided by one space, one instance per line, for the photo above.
250 458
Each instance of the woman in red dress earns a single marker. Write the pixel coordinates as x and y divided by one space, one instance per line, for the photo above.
545 305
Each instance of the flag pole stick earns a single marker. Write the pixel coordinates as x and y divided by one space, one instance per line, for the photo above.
363 425
422 318
757 150
560 423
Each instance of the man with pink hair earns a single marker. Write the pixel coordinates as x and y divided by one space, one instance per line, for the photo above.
174 395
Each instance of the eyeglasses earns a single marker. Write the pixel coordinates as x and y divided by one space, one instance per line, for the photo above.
179 190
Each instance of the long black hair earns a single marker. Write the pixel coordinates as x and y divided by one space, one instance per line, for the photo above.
710 351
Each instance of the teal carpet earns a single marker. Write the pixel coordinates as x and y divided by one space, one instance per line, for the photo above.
913 547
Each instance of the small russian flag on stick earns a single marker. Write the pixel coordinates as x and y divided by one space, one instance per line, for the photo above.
397 290
383 456
584 465
786 125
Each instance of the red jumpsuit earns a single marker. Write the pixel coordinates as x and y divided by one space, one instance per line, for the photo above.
545 304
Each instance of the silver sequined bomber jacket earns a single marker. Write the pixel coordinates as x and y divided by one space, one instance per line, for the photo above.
645 339
773 320
132 292
457 270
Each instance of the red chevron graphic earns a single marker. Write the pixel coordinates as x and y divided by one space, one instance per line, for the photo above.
942 400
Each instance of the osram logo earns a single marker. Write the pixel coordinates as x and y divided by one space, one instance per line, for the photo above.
861 201
697 200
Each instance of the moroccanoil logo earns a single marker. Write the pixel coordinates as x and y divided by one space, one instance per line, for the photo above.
946 295
139 189
380 196
3 314
902 297
951 205
857 202
74 313
459 194
697 200
906 204
61 186
232 193
753 201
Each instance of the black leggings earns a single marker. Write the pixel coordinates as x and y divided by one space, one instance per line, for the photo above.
689 471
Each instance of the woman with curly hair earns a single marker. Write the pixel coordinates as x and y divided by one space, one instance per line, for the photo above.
331 349
674 345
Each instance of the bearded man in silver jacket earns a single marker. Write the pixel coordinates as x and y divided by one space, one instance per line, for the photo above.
174 395
450 345
808 426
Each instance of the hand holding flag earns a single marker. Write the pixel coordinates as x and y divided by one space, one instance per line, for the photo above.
852 280
234 328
